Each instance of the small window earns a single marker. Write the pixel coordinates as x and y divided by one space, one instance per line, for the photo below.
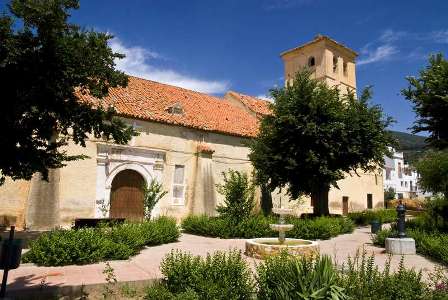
311 61
344 68
179 185
335 64
176 109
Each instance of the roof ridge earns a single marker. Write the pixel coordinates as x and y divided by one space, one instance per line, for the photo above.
175 86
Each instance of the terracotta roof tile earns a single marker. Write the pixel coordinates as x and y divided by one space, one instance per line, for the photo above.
153 101
258 106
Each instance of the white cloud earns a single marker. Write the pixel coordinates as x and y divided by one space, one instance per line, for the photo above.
265 97
390 35
440 36
381 53
138 63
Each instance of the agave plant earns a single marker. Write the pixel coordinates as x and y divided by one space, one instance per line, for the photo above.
293 277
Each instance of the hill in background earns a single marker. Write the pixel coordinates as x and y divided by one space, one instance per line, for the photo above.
411 145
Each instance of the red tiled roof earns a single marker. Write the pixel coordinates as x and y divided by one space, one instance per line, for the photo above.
149 100
258 106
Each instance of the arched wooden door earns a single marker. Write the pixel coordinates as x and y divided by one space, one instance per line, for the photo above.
126 199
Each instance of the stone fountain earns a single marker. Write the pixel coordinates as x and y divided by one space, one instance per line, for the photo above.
263 247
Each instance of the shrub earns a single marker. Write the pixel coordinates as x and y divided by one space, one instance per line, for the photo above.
379 238
161 231
90 245
218 276
433 245
365 217
429 244
361 279
239 194
258 226
294 277
319 228
63 247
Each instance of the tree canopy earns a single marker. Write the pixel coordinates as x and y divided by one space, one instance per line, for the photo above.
44 62
315 136
433 170
429 95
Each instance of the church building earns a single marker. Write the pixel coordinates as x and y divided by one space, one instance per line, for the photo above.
187 139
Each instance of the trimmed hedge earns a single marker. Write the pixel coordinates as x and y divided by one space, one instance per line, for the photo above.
90 245
258 226
363 218
430 244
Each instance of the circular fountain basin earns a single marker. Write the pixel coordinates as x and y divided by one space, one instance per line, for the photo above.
262 248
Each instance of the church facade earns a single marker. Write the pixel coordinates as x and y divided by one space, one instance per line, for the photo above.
187 139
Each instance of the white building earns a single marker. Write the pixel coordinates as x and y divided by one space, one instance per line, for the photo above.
402 178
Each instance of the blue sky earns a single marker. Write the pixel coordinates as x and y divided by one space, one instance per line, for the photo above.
214 46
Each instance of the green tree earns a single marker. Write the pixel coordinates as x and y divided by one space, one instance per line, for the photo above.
433 170
44 62
315 136
429 95
239 193
151 196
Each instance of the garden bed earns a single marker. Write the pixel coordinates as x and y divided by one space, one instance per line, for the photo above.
226 275
91 245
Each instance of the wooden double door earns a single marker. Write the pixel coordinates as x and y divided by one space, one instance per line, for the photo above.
126 199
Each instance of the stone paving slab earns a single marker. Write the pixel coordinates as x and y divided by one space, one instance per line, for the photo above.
145 266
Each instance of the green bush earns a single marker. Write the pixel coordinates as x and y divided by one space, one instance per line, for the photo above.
363 218
362 280
83 246
239 194
294 277
227 276
319 228
218 276
258 226
433 244
379 238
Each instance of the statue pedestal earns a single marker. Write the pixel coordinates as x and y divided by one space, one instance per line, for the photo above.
400 246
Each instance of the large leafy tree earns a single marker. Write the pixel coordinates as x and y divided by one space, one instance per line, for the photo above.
433 169
429 95
44 62
315 136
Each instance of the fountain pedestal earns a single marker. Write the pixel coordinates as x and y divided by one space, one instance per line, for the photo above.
263 247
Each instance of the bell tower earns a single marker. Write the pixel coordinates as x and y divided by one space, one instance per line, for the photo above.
327 59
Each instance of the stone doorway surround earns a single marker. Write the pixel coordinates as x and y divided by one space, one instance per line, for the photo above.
112 159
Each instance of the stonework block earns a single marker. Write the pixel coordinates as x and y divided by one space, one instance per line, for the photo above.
399 246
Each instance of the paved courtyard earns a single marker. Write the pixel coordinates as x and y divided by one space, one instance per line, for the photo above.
145 266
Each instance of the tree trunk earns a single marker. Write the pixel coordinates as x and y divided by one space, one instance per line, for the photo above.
320 197
266 200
